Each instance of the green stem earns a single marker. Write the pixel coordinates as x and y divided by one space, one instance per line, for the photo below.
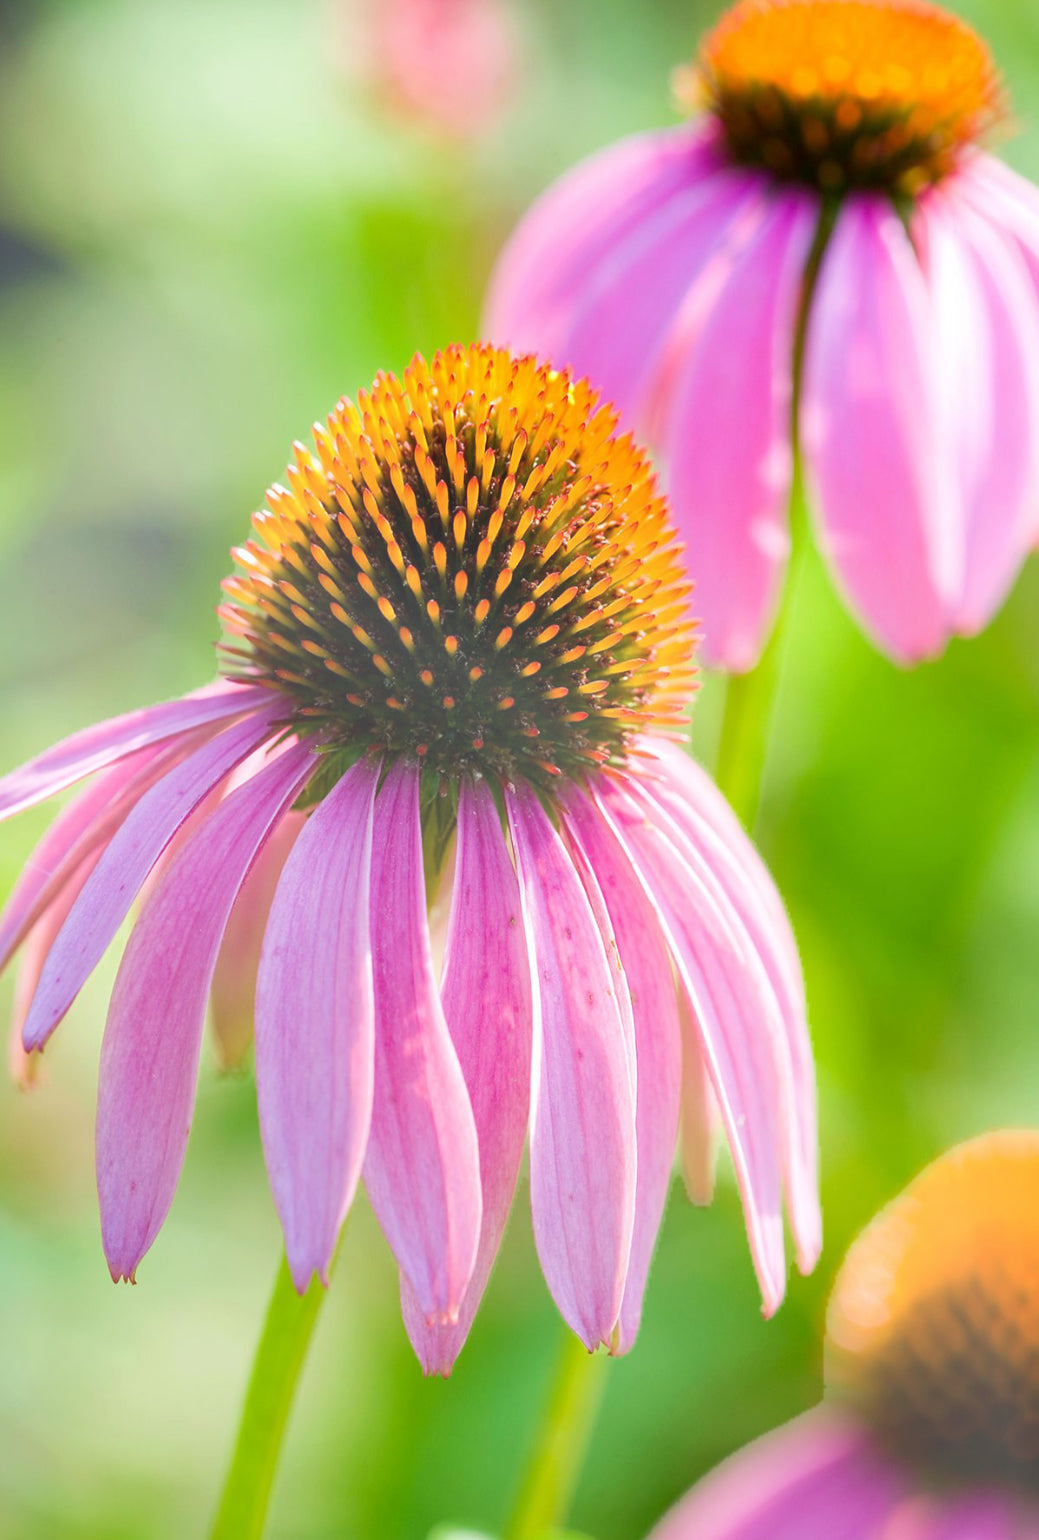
550 1478
268 1401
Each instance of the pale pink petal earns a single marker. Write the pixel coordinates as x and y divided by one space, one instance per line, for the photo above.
726 429
686 793
422 1169
734 1008
233 993
315 1023
818 1478
881 490
700 1119
152 1042
112 886
96 747
79 831
987 321
576 224
486 997
627 301
647 968
582 1142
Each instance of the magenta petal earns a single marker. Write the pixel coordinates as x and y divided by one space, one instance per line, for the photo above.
486 997
818 1478
119 875
627 301
987 321
150 1053
647 968
315 1023
232 998
882 492
735 1011
686 793
80 831
95 747
727 433
576 224
422 1169
583 1141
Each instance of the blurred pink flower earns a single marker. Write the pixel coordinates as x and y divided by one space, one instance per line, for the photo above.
465 619
930 1430
826 217
450 65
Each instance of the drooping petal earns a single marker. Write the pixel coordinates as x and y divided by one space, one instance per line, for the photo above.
734 1008
315 1023
888 514
987 323
700 1119
583 1141
78 832
818 1478
23 1065
486 998
687 794
422 1169
575 225
725 427
95 747
647 968
621 314
152 1042
112 886
232 997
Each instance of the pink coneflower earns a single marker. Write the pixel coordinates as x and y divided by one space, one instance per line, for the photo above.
930 1430
825 241
448 65
462 625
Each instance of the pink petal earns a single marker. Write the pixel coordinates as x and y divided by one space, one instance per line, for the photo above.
987 319
114 883
583 1141
95 747
620 314
150 1053
422 1169
700 1123
734 1008
23 1066
315 1023
647 968
818 1478
486 997
576 224
726 429
233 994
882 492
79 831
686 793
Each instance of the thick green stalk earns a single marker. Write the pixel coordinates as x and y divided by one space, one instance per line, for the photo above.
550 1478
268 1400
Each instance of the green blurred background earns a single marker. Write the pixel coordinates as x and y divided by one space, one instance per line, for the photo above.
209 231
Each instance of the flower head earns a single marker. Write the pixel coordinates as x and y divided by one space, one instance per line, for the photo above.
825 261
844 94
931 1422
460 629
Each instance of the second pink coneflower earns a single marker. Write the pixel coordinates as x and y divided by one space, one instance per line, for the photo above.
828 228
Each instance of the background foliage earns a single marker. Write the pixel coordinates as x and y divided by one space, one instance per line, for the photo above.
207 234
